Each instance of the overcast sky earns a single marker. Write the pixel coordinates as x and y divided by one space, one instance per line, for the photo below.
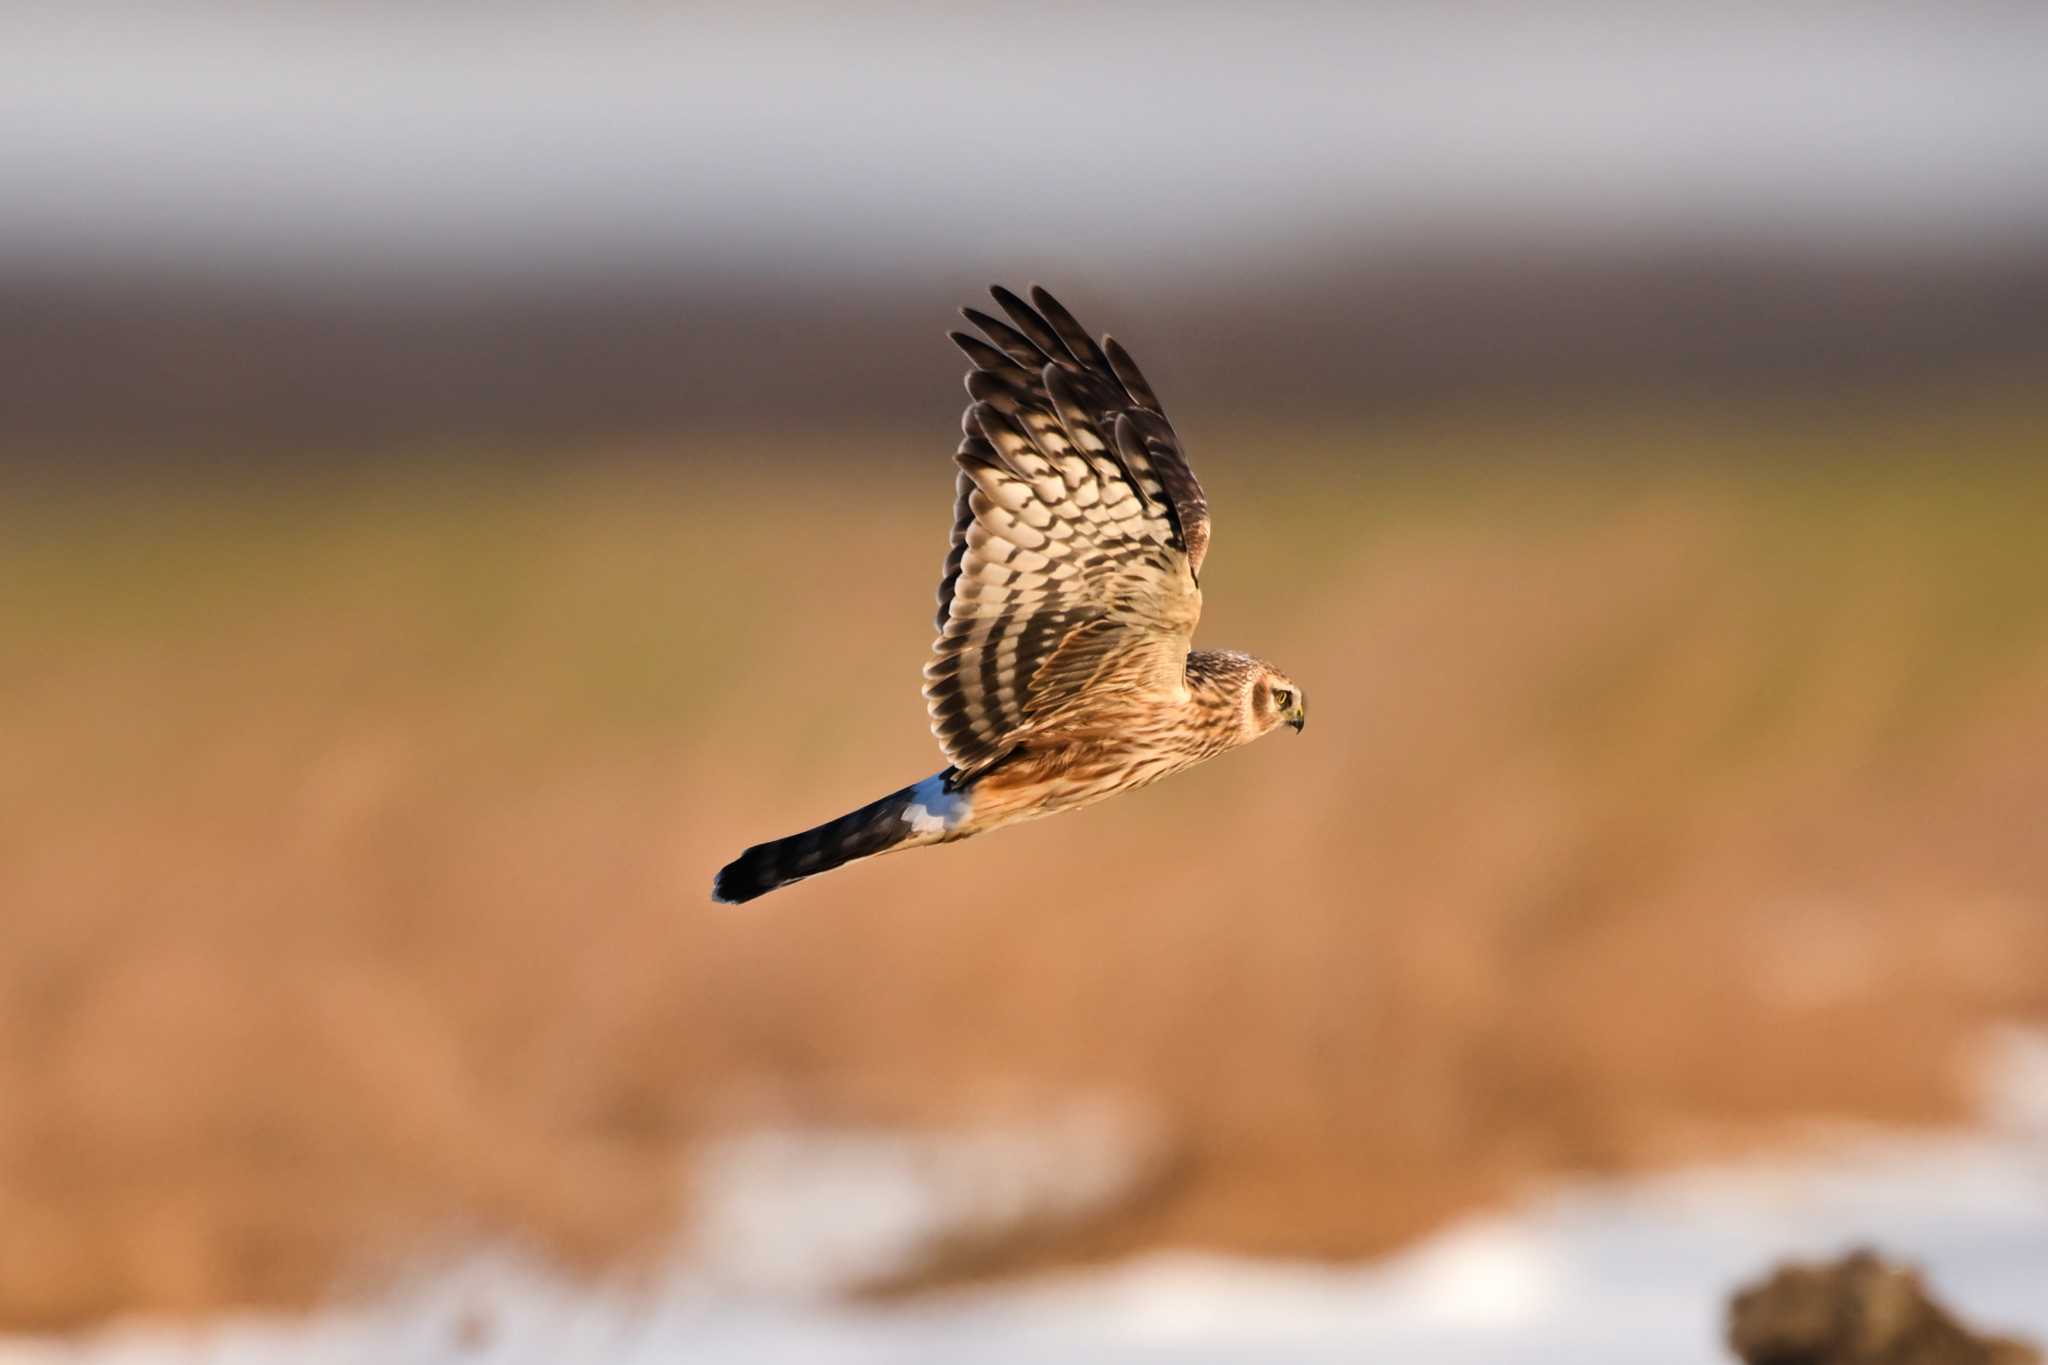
561 136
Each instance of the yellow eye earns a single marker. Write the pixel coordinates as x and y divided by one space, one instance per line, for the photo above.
1282 698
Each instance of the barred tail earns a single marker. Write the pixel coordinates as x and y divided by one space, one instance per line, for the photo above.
922 813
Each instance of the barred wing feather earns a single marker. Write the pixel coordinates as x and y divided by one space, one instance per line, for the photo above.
1079 533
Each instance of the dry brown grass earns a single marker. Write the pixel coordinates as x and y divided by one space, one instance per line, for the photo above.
355 842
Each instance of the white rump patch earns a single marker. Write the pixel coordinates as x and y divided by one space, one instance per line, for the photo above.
933 809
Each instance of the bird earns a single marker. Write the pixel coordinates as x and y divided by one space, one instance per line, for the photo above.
1064 670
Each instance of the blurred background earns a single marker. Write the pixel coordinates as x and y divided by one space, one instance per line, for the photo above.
469 470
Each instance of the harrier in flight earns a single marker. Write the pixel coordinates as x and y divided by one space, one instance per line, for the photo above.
1062 673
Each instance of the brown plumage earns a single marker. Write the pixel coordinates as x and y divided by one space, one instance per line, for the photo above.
1062 673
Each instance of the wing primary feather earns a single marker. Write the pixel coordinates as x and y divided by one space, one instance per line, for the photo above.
1070 399
1004 435
1033 326
1132 453
963 517
1127 374
1009 390
983 355
1079 344
1015 343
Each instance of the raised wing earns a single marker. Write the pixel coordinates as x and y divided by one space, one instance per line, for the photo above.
1078 535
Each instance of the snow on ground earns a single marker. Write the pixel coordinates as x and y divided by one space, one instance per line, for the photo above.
1617 1271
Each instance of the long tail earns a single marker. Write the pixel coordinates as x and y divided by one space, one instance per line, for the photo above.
922 813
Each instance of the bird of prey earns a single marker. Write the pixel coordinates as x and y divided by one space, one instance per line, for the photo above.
1063 672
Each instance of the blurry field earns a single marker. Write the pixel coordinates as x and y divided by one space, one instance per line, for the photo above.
1668 780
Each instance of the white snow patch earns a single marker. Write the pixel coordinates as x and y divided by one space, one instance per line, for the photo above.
1609 1271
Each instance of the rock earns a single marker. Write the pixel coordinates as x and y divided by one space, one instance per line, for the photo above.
1859 1310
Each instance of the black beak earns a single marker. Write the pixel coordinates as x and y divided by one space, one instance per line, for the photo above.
1300 716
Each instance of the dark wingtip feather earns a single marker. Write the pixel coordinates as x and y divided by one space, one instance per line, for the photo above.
1075 337
1007 298
1009 389
1032 325
1019 347
980 353
1127 374
1069 402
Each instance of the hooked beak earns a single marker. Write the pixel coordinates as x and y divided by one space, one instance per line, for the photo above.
1298 717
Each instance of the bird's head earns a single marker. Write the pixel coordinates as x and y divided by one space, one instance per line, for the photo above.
1273 699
